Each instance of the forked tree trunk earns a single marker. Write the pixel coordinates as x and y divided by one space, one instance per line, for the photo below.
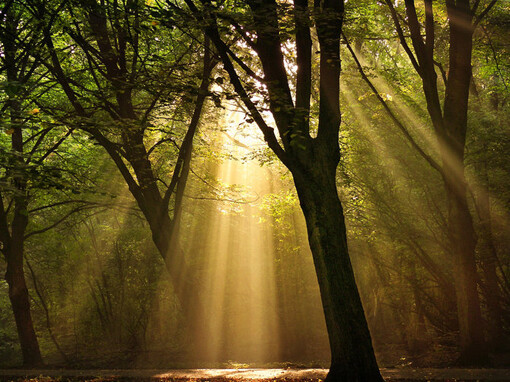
450 126
352 355
143 185
312 162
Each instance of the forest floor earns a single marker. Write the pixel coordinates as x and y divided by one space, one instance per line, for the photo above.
252 375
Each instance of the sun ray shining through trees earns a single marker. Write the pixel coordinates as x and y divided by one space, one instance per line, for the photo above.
240 287
255 183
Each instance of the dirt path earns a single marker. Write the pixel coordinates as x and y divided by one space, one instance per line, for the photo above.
219 375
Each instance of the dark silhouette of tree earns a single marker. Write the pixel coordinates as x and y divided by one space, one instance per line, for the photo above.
311 160
19 68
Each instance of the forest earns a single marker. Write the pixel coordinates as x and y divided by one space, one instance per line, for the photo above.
255 183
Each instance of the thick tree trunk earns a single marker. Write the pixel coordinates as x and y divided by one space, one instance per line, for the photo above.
352 355
312 161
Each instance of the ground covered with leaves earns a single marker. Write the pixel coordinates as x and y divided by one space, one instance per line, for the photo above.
252 375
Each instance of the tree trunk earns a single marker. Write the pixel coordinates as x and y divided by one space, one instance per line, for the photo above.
18 295
450 126
489 259
460 222
312 161
13 239
352 355
463 242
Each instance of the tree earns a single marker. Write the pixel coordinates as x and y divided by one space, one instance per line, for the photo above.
19 68
133 73
311 160
449 122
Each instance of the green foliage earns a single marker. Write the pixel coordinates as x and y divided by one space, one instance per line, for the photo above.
100 292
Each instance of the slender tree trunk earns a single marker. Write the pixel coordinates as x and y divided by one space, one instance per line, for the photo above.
489 259
18 295
463 242
47 314
13 241
352 355
461 230
450 126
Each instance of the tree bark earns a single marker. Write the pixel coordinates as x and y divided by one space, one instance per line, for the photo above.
461 230
18 295
463 243
352 355
13 243
489 260
13 225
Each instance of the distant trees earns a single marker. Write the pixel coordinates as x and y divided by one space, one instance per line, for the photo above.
39 170
115 72
438 40
448 115
450 126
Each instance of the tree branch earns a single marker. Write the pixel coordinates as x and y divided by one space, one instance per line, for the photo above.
392 115
62 219
269 135
401 36
429 29
479 18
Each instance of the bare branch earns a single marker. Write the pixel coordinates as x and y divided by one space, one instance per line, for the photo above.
65 202
54 147
245 67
